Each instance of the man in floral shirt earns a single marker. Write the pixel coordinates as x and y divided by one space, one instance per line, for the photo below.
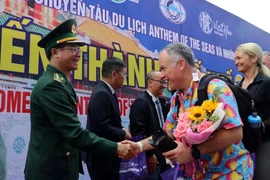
223 156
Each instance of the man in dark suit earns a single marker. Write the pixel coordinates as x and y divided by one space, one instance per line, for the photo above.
147 114
104 118
56 133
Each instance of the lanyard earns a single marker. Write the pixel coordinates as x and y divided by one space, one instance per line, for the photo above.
181 103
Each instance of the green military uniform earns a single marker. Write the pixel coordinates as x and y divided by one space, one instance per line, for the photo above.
3 156
56 134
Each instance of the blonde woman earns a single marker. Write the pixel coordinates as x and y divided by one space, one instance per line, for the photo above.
248 60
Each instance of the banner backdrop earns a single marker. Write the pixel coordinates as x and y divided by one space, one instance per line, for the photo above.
132 30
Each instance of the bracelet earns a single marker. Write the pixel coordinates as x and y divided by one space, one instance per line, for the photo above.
140 146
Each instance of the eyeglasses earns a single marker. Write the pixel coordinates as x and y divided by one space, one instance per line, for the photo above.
74 49
123 74
160 81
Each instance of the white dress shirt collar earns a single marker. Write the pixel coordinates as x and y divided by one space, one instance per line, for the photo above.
111 88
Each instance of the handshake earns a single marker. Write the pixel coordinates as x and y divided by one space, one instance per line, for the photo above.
160 141
128 149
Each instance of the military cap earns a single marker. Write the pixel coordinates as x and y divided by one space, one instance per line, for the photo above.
64 33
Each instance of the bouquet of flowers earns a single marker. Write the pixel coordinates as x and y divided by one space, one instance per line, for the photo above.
197 124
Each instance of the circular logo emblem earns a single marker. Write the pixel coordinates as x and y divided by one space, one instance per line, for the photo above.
118 1
205 22
18 144
173 10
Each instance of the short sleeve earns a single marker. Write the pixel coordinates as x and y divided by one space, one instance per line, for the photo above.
171 120
227 97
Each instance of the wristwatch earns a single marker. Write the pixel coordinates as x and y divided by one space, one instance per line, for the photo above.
195 152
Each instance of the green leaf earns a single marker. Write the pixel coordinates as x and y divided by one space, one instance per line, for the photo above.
216 93
214 118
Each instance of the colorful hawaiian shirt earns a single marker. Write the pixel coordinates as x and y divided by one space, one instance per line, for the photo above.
233 162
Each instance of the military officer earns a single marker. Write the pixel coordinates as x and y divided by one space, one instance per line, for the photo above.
56 134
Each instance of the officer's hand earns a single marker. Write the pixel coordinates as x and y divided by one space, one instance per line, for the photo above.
125 151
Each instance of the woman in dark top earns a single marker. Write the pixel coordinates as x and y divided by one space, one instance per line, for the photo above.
248 59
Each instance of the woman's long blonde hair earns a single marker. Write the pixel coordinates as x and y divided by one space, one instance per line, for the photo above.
254 50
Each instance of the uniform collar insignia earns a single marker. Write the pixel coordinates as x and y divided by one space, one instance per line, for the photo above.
58 77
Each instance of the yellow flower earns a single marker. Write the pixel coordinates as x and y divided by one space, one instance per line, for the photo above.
209 105
197 113
191 108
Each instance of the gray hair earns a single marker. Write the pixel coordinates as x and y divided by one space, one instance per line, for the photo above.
266 53
179 50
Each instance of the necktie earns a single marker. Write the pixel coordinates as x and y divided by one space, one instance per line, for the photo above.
160 115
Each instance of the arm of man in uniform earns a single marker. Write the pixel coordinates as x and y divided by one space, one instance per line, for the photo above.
63 116
230 133
102 116
3 156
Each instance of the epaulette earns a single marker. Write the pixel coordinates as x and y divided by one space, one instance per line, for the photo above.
58 77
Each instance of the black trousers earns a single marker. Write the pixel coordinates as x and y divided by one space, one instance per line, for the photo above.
262 162
101 175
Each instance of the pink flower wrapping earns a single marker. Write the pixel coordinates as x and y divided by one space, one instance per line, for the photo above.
190 133
197 124
182 126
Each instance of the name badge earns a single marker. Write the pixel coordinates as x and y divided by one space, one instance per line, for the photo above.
195 76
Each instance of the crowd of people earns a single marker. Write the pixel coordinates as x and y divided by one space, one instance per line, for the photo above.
58 143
